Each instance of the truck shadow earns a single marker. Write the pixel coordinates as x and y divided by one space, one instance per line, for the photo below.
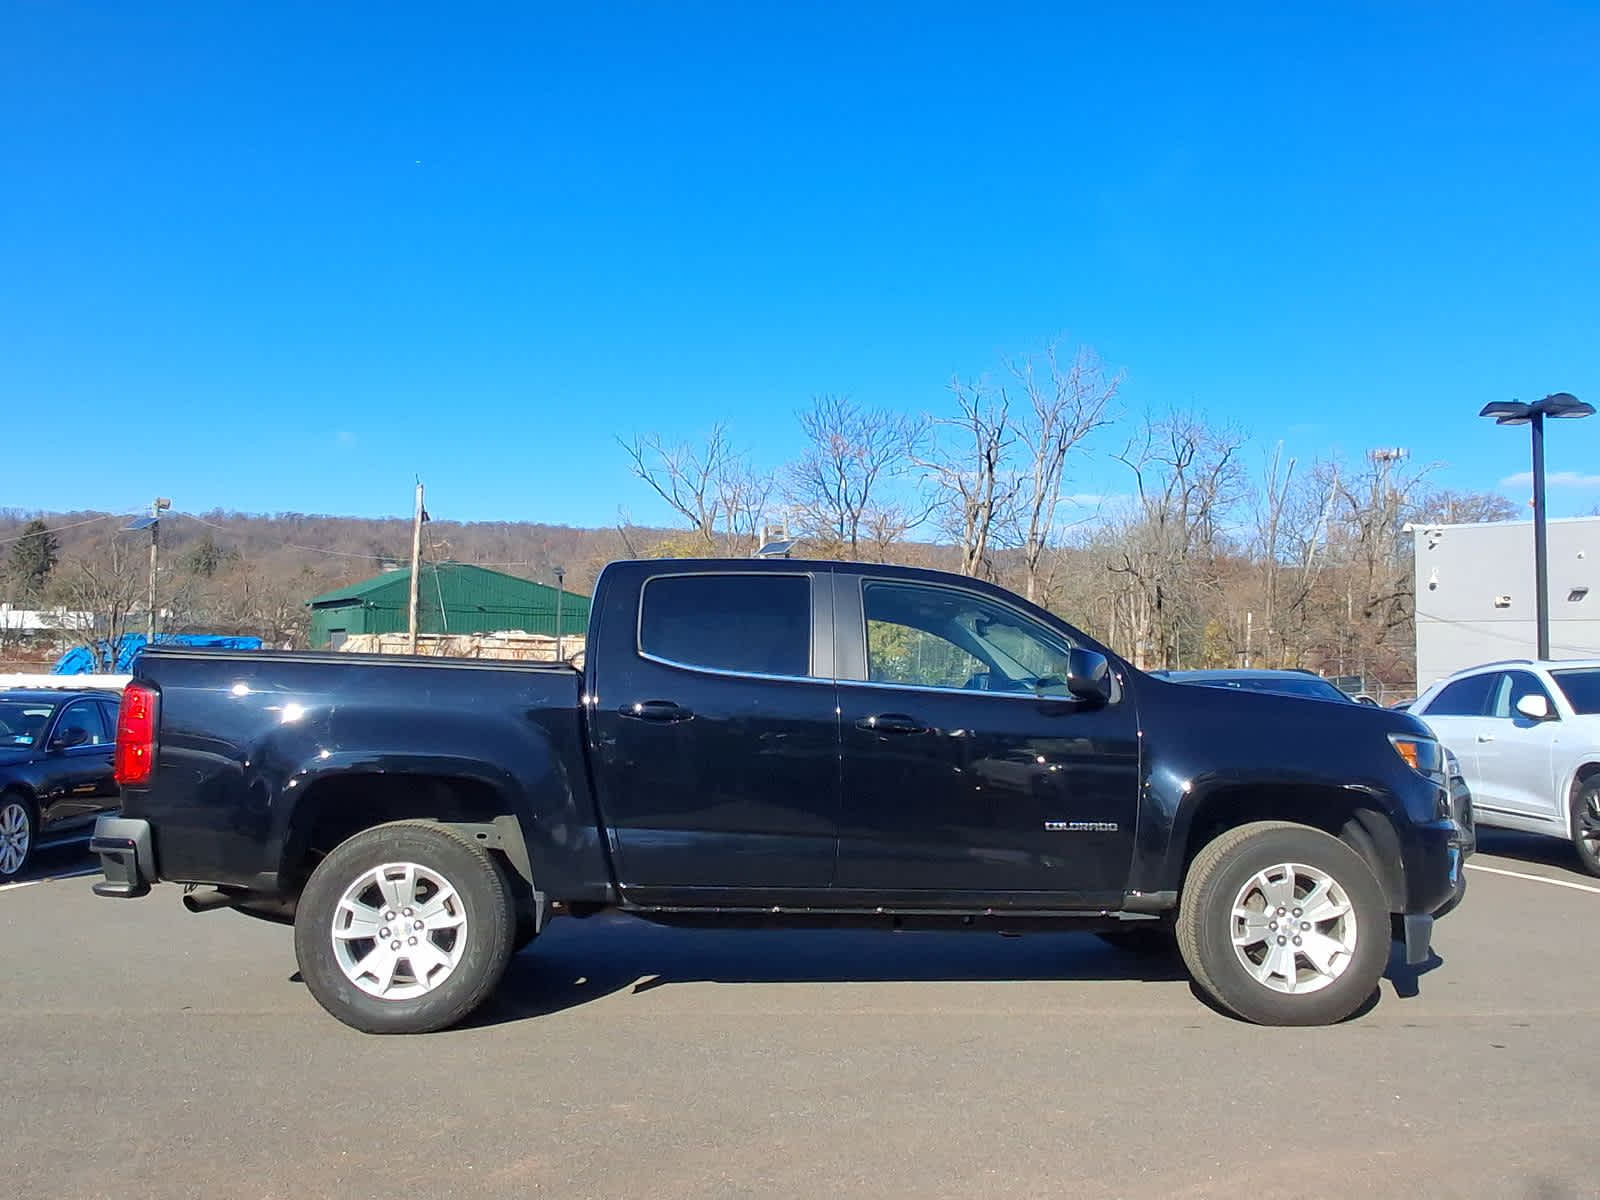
577 962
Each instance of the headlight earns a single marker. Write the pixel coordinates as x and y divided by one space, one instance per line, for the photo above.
1422 754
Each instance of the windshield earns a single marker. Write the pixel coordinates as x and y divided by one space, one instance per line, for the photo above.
22 722
1307 686
1581 688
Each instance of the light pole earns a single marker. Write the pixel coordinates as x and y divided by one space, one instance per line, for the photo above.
1514 412
561 578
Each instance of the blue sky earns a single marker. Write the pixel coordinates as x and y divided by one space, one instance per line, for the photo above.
285 256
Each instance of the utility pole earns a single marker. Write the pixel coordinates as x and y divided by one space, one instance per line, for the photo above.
416 566
561 577
157 507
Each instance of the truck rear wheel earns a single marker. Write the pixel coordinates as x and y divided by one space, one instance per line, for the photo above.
404 928
1283 924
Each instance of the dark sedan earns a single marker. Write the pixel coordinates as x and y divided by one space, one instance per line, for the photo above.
1283 683
55 769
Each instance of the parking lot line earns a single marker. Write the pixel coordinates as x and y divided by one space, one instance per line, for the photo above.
11 887
1577 887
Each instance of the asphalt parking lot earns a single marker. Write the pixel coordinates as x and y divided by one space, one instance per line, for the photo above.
152 1053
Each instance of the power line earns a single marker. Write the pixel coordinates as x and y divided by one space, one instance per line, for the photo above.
73 525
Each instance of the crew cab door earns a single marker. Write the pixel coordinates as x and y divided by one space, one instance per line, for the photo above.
969 774
714 730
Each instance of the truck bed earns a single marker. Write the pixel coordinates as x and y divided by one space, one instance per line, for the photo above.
267 758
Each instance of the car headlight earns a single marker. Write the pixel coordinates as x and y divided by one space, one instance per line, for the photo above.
1423 755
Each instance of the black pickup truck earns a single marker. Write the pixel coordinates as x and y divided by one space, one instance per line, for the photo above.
777 741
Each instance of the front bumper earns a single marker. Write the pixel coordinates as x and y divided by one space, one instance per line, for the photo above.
1432 855
127 857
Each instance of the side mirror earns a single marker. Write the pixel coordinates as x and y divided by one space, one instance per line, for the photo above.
68 738
1534 707
1088 676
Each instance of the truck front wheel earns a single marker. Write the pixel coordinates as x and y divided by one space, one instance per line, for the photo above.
1283 924
404 928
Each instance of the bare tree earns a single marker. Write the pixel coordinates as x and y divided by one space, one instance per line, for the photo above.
1373 503
967 464
110 584
1450 507
688 478
839 482
1066 405
744 495
1186 479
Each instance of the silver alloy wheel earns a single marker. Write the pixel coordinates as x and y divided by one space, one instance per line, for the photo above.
1294 928
14 837
399 931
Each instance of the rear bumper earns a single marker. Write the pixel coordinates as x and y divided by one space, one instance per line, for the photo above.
127 857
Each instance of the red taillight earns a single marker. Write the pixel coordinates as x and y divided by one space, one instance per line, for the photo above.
136 736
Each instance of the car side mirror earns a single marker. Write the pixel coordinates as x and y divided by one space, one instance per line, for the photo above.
1088 676
68 738
1534 707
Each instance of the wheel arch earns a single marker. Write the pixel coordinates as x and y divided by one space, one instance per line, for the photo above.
338 804
1586 770
1353 817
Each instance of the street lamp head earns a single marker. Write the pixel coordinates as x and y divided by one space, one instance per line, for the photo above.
1564 404
1507 412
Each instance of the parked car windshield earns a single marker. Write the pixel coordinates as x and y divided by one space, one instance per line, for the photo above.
22 722
1581 688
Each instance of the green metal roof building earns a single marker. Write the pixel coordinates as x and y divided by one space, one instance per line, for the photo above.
452 598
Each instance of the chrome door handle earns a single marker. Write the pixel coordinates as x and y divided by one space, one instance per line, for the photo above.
665 712
891 723
1486 737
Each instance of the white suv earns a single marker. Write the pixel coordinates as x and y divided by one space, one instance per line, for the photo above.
1528 737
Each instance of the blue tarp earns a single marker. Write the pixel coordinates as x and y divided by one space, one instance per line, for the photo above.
118 660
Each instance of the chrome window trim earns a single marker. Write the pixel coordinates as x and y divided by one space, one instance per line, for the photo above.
727 674
1032 697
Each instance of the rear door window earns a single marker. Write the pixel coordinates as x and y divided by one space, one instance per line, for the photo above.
1582 690
1467 697
750 624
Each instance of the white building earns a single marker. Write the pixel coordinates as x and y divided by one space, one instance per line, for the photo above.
1475 597
53 620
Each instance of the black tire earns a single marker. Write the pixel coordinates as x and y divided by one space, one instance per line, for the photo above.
1586 825
1152 939
10 802
1205 923
486 903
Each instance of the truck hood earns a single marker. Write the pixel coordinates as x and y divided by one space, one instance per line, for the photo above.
1273 711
